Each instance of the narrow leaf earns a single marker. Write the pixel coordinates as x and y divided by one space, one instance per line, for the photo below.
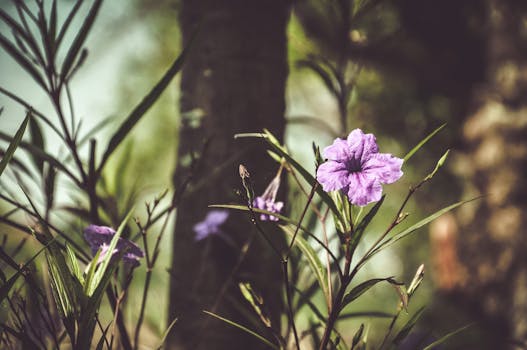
80 38
140 110
328 81
74 263
281 217
243 328
37 140
103 266
305 174
407 328
14 143
422 223
41 154
361 227
312 258
447 336
6 287
165 335
362 288
376 314
420 144
22 61
67 22
357 337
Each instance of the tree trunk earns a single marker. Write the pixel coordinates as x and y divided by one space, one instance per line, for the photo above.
232 82
492 231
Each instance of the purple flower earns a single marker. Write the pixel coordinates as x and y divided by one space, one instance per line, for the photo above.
267 200
99 237
356 167
211 225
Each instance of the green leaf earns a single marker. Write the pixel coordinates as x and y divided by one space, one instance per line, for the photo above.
140 110
357 337
312 258
273 142
165 335
74 263
255 300
420 144
361 227
447 336
376 314
6 287
329 81
388 242
407 328
53 25
67 22
20 33
243 328
362 288
79 38
36 152
37 140
22 61
103 265
14 143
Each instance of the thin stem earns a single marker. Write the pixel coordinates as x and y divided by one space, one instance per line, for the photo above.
289 303
337 302
114 304
310 198
28 107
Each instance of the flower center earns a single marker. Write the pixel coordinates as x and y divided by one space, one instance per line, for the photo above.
353 165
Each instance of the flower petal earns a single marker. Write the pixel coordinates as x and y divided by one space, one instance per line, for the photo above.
338 151
363 189
216 217
385 167
361 145
332 176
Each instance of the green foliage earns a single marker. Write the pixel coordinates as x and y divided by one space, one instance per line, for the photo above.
14 144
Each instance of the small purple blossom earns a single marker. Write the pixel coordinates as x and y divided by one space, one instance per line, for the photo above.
99 237
211 225
356 167
267 201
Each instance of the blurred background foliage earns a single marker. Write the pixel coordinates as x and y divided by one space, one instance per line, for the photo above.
413 64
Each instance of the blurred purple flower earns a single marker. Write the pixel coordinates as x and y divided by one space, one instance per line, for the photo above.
267 200
211 224
356 167
101 236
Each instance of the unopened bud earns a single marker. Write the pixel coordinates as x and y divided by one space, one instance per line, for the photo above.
418 278
244 173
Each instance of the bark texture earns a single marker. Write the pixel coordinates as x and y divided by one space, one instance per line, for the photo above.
492 240
233 82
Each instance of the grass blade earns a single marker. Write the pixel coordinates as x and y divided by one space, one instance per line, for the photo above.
447 336
67 22
305 174
79 38
422 223
361 227
362 288
140 110
316 265
6 287
407 328
14 143
22 61
420 144
41 155
243 328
